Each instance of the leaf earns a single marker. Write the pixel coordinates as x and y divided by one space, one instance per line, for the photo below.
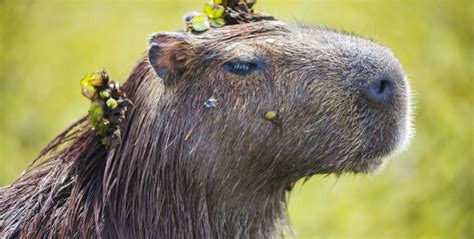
213 11
200 23
218 11
96 114
217 23
208 9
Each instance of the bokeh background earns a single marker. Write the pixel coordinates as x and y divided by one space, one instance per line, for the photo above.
426 192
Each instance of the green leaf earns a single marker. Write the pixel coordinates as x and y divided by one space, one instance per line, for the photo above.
85 80
217 23
96 114
208 9
213 11
218 11
200 23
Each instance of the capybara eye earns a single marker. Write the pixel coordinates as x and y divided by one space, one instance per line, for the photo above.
240 67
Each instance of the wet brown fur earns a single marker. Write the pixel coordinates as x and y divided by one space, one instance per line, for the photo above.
187 171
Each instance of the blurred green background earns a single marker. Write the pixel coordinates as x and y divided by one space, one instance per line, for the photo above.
426 192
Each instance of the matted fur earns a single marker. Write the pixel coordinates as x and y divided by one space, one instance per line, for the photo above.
186 171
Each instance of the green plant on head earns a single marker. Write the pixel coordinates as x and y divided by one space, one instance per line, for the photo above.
215 13
108 105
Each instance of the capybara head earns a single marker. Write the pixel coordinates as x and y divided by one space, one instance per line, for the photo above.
280 101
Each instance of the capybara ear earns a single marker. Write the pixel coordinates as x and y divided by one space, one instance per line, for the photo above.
168 52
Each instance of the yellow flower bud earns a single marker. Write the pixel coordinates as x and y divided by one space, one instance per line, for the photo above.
105 94
111 103
88 91
96 79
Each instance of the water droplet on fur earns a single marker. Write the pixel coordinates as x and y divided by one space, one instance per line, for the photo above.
269 40
210 103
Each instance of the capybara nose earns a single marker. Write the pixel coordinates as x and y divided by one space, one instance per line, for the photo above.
382 88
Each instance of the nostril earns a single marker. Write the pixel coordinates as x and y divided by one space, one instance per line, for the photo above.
381 89
383 86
